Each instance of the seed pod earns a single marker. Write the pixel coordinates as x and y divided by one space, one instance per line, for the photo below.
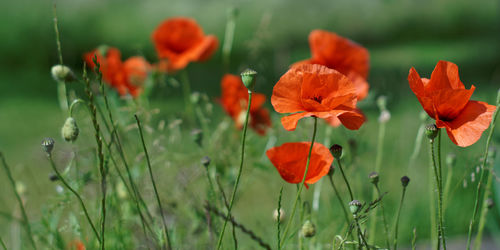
355 206
405 180
248 77
308 229
70 130
205 161
48 145
374 178
431 130
336 150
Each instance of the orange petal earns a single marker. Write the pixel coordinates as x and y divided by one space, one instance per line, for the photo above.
417 86
449 103
290 160
260 121
286 92
444 76
360 84
352 119
467 128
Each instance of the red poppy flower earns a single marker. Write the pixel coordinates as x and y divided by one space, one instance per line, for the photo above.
290 160
125 77
181 40
446 100
234 100
343 55
315 90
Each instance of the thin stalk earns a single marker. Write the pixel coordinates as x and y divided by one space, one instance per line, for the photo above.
287 227
3 244
61 85
82 204
484 212
478 199
432 208
19 200
165 229
221 235
342 204
438 188
226 203
414 240
384 219
440 197
186 89
345 180
396 227
278 221
228 38
447 185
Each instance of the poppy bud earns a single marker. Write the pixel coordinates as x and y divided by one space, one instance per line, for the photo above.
384 117
336 150
205 161
48 145
197 136
405 180
355 206
248 77
62 73
53 177
374 178
195 97
70 130
451 159
431 130
308 229
281 215
490 203
20 188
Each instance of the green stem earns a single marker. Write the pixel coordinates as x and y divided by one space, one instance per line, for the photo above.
3 244
438 188
228 38
61 86
278 221
484 212
163 219
378 163
186 89
345 180
440 205
342 204
287 227
481 177
432 207
221 235
19 200
85 211
396 227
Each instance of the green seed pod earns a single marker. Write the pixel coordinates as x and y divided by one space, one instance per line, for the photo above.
197 136
336 150
205 161
62 73
249 77
405 180
308 229
374 178
70 130
48 145
355 206
431 130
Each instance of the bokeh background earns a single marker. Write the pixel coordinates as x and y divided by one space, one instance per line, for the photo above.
269 36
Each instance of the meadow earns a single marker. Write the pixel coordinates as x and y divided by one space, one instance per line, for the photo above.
158 149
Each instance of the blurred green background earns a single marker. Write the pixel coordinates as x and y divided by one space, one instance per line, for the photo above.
269 36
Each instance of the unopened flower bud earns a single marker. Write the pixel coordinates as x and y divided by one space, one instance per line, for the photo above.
355 206
382 102
70 130
281 216
195 97
48 145
431 130
451 159
405 180
53 177
197 136
205 161
248 77
384 117
62 73
336 150
374 178
308 229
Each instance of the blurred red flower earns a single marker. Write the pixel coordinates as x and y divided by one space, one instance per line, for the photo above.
234 100
125 77
77 245
446 100
343 55
290 160
181 40
315 90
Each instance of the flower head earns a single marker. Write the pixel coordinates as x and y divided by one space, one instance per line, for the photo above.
290 160
234 100
181 40
125 77
343 55
315 90
446 100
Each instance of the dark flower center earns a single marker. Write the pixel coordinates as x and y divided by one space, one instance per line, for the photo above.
318 99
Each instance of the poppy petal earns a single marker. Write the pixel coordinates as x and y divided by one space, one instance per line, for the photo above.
444 76
290 160
352 119
417 86
286 92
467 128
450 102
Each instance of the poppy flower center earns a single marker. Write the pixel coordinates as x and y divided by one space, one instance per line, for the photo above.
318 99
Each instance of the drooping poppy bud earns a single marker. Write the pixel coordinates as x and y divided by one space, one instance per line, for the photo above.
248 77
431 130
355 206
405 180
70 130
205 161
308 229
62 73
336 150
374 178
